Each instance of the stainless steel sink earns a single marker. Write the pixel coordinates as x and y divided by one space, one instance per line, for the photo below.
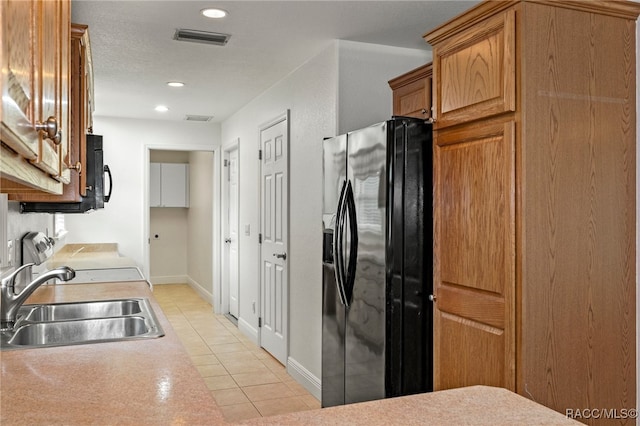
62 324
70 311
78 331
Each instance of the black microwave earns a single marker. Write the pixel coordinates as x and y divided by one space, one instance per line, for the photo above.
96 197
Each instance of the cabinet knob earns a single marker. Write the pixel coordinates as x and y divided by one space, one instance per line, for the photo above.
432 298
77 167
50 129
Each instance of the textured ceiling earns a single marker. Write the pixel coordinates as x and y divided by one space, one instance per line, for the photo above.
134 53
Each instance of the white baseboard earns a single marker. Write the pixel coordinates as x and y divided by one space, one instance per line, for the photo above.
170 279
200 290
248 330
304 377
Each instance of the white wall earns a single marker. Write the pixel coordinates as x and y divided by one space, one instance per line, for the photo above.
126 143
364 96
310 93
200 222
340 77
168 252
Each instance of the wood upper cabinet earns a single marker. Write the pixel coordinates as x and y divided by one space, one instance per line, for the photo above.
534 209
412 93
476 71
80 122
35 95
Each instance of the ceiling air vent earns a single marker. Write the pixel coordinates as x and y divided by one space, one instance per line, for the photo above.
198 118
201 37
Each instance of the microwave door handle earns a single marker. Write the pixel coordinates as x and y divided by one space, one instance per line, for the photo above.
108 172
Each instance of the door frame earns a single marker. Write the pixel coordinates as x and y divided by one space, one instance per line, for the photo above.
282 117
223 305
215 188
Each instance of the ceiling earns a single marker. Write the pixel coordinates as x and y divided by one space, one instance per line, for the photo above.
134 54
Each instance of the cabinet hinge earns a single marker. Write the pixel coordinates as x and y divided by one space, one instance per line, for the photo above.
226 163
259 154
260 238
259 322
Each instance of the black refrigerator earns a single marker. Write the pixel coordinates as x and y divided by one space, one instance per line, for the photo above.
377 262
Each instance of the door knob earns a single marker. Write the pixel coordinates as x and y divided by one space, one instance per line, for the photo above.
50 128
282 256
227 240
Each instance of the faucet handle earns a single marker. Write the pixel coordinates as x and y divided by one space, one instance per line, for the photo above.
10 280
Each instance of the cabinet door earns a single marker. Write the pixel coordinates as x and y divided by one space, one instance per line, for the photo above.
474 250
47 73
63 91
154 185
18 88
173 182
475 72
412 93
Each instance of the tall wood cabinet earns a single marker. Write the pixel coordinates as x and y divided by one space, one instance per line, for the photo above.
534 185
35 95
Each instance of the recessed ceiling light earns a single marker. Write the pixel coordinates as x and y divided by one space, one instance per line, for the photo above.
175 84
162 108
214 13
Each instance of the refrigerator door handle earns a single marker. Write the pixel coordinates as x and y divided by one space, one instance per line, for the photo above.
337 245
353 246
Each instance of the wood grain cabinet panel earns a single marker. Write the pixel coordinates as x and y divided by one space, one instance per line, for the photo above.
535 202
475 72
412 93
35 89
73 158
475 275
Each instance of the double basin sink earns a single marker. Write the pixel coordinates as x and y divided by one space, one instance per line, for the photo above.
62 324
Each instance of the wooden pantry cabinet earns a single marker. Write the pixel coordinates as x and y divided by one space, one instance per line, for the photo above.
35 95
534 211
412 93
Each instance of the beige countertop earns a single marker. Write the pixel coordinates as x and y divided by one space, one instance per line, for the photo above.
89 256
153 382
135 382
474 405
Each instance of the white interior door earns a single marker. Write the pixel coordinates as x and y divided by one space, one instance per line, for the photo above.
274 142
232 238
230 187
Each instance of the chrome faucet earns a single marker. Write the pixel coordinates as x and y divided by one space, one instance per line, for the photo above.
11 302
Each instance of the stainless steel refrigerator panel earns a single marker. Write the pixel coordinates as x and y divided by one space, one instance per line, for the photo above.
365 320
333 326
333 310
334 169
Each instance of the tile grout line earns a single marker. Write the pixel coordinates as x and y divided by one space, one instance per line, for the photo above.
191 318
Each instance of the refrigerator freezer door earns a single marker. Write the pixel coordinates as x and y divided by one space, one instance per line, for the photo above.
365 320
408 253
333 310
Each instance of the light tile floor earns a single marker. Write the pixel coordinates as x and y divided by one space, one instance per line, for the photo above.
245 380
